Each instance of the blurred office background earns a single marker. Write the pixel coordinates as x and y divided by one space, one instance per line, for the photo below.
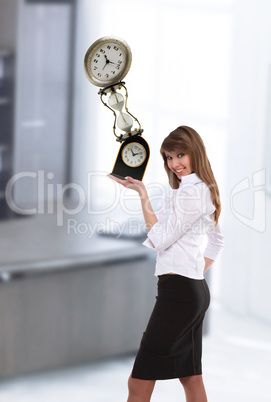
73 302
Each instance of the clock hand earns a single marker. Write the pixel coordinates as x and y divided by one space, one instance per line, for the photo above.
131 149
133 152
106 61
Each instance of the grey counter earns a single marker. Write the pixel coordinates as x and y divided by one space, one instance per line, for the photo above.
67 299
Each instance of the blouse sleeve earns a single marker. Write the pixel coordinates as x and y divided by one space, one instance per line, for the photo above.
215 243
185 209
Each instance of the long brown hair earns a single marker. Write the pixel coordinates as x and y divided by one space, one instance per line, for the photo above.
188 141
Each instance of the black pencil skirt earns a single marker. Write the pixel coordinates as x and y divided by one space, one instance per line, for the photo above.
171 346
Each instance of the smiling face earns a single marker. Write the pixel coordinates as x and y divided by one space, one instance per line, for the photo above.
179 163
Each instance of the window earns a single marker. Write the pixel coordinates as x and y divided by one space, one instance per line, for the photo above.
179 76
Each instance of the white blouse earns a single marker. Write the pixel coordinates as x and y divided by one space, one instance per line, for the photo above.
184 219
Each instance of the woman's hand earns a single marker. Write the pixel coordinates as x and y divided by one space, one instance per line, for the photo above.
131 183
137 185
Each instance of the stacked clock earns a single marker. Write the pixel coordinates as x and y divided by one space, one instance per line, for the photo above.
106 63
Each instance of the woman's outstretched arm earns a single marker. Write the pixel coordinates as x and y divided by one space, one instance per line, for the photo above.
137 185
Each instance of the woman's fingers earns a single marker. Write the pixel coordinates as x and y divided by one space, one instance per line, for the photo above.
124 182
129 182
120 181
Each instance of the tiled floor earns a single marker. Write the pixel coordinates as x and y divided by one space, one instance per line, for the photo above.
236 363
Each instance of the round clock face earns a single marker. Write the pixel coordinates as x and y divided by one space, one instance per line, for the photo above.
133 154
107 61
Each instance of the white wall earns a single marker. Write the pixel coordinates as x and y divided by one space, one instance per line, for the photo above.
246 272
179 75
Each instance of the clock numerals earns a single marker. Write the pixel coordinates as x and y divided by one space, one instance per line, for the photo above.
107 61
133 154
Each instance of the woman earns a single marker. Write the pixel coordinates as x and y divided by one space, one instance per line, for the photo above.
171 346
